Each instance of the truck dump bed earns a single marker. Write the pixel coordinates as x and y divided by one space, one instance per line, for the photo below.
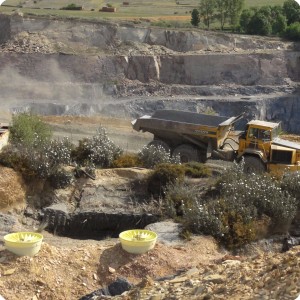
189 117
173 125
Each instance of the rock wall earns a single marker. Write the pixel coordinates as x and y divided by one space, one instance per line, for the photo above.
5 32
60 83
239 69
103 34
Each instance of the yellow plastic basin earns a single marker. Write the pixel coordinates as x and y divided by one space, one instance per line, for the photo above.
23 243
138 241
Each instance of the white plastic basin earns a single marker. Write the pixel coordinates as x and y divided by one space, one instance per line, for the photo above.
138 241
23 243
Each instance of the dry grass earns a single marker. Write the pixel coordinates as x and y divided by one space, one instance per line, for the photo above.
12 190
166 10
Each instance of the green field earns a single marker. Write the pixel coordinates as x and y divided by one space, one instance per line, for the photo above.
162 10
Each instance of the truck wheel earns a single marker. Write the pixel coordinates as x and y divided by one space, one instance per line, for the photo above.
159 143
254 165
187 153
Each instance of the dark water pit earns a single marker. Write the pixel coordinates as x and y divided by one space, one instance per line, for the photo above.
93 224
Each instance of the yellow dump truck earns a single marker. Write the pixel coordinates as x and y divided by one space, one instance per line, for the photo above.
196 137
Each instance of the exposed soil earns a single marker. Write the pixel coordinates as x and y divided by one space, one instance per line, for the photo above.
80 267
118 129
69 269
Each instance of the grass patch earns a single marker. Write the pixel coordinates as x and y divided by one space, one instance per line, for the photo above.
155 10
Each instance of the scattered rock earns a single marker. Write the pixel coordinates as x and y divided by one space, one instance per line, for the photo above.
118 287
168 232
215 278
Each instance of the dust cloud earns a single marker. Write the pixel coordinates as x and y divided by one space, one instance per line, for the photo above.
48 89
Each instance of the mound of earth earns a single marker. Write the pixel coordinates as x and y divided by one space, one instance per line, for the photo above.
79 267
198 269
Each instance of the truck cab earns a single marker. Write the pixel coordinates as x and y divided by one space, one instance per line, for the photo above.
263 150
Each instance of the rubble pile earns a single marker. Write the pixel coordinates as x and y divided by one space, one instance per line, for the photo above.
27 42
266 276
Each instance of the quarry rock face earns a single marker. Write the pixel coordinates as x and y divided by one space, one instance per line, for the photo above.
5 32
72 67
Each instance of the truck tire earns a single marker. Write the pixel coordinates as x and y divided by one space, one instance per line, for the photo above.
187 153
254 165
159 143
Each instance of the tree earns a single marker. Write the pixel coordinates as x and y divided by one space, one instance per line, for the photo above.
291 10
293 31
207 8
195 17
246 17
263 21
279 24
222 7
235 8
260 24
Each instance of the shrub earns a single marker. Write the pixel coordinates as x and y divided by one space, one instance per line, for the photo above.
245 202
45 161
230 222
29 130
262 191
196 170
198 219
179 197
99 150
163 175
292 32
72 6
10 157
61 178
37 162
127 161
150 156
291 183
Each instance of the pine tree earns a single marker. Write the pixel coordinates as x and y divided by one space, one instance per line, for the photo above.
195 17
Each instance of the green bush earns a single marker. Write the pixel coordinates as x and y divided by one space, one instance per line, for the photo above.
10 157
179 197
292 32
236 216
99 150
37 162
162 175
150 156
45 161
290 183
196 170
231 222
28 130
72 6
262 191
61 178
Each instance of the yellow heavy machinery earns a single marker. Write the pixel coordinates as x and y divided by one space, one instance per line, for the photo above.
196 137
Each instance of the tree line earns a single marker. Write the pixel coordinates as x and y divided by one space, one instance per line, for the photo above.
267 20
